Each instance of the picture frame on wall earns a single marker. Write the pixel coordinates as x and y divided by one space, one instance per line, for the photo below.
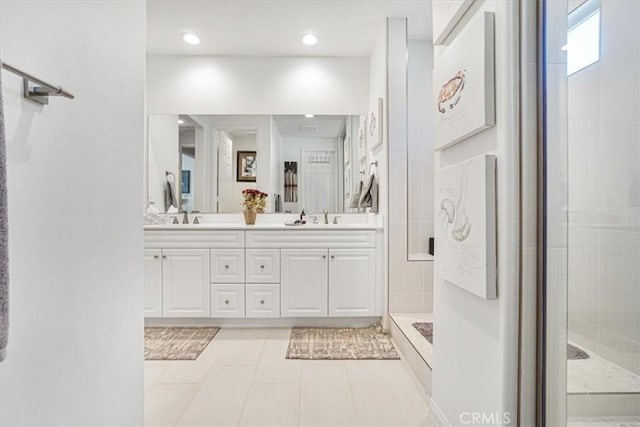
446 15
362 138
466 225
247 166
464 84
376 125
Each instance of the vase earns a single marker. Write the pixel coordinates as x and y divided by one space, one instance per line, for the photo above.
249 216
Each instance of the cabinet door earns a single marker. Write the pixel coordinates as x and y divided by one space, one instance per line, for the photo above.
227 266
185 283
304 282
152 283
263 266
352 287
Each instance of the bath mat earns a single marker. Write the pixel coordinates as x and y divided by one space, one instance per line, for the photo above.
425 329
176 343
371 343
575 353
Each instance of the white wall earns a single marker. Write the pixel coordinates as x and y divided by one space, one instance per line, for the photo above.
476 355
257 85
163 155
240 143
75 353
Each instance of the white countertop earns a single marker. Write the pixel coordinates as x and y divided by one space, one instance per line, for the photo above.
266 226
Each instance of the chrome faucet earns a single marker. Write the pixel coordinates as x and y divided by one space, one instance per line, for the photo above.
185 217
326 217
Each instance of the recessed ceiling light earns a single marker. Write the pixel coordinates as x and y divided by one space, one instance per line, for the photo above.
191 38
309 116
310 39
180 121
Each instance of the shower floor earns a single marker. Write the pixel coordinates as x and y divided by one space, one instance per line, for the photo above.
405 322
603 422
599 375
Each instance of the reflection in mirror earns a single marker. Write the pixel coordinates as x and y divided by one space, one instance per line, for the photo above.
309 163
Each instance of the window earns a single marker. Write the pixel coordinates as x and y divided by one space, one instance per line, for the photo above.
583 38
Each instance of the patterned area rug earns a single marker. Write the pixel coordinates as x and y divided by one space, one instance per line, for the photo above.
426 329
176 343
341 344
575 353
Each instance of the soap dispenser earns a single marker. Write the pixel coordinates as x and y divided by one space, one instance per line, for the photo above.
302 216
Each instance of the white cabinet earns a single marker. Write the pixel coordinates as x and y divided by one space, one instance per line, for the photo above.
185 283
153 283
263 300
263 266
227 301
352 290
304 284
227 266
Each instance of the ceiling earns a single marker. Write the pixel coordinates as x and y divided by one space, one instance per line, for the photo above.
275 27
296 126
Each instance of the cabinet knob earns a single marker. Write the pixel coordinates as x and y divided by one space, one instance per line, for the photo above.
262 267
226 267
261 301
324 257
226 301
164 257
333 257
156 256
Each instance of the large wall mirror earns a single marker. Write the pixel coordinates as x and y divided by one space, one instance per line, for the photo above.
203 162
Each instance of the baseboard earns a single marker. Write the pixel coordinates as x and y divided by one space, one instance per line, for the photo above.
438 415
332 322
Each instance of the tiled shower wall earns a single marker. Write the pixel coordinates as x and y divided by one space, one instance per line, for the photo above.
411 182
604 192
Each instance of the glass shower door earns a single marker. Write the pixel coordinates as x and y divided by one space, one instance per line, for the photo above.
592 207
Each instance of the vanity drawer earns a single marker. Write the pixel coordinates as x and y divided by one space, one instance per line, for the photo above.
263 266
263 300
227 301
227 265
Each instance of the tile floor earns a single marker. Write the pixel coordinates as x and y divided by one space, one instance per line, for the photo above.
243 378
405 323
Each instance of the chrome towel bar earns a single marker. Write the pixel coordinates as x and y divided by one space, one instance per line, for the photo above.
35 89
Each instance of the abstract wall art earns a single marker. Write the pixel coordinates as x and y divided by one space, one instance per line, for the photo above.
466 225
464 84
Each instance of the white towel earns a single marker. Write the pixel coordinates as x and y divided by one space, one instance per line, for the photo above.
354 203
369 195
4 247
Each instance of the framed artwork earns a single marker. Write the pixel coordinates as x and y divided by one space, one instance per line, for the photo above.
376 125
446 15
464 84
185 182
466 225
362 138
247 170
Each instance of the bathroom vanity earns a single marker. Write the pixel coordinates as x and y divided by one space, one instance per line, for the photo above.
268 271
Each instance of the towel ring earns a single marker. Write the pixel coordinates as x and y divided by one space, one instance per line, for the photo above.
372 164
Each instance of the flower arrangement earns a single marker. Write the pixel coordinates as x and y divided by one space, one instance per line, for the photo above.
254 200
